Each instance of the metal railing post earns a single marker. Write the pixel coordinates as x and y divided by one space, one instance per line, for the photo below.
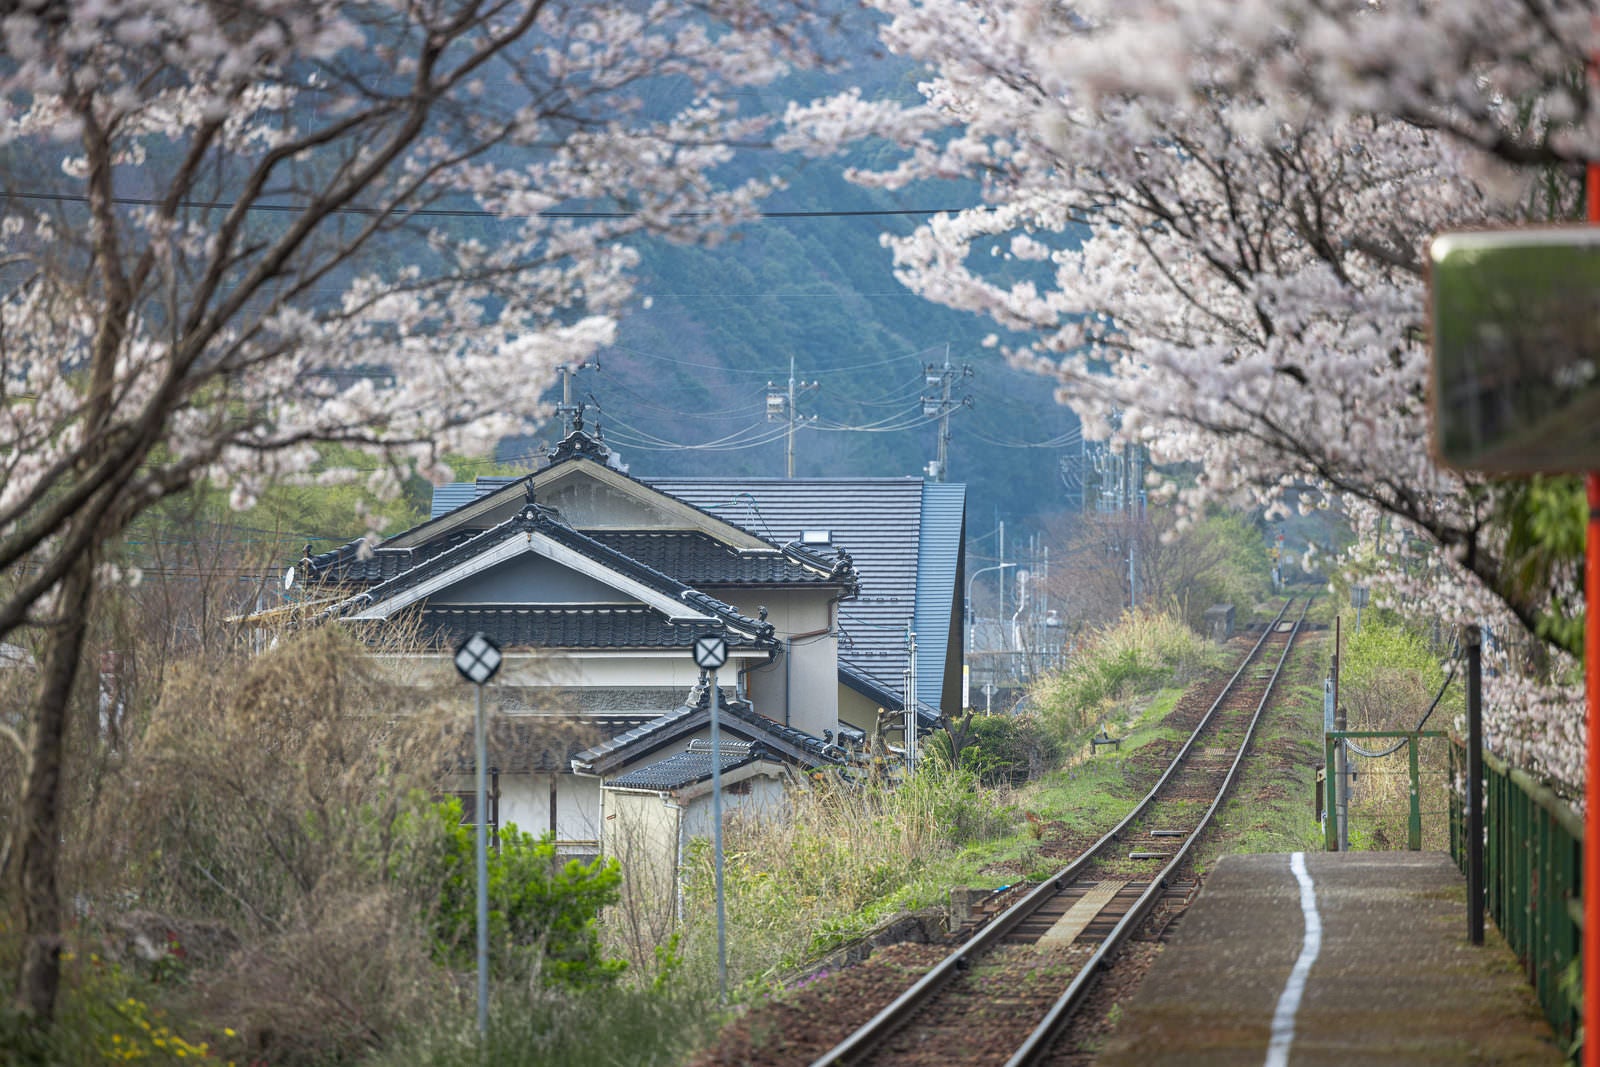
1330 790
1474 785
1414 823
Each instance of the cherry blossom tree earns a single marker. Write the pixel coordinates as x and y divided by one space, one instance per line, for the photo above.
234 231
1207 218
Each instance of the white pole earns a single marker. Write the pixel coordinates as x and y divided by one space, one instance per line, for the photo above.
788 465
716 839
911 701
481 857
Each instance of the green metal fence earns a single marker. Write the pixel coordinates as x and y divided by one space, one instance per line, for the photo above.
1409 739
1533 857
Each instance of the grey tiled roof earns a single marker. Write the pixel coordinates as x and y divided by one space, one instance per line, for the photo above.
577 446
345 565
687 768
785 742
446 498
536 744
564 626
939 569
638 704
697 558
877 520
535 518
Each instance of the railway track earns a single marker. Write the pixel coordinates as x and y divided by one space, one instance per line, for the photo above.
1007 993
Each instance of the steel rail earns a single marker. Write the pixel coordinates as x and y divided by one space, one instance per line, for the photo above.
1043 1035
878 1028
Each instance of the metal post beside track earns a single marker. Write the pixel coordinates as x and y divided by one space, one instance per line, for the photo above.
1474 842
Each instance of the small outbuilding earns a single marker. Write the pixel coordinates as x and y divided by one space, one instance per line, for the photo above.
1219 622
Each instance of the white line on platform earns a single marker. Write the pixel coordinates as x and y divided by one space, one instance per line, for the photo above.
1295 987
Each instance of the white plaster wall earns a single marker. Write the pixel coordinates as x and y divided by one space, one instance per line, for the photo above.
802 688
642 836
767 799
525 800
578 807
665 669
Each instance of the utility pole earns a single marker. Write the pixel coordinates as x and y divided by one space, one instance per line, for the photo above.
912 754
938 403
1001 614
1135 520
567 409
781 406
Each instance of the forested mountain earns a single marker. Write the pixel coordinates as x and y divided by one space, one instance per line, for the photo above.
684 390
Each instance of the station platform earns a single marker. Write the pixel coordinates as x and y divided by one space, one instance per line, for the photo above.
1390 978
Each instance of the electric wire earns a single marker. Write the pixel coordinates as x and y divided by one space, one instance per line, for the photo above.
476 213
752 510
906 416
893 398
718 368
748 437
638 399
884 425
1071 437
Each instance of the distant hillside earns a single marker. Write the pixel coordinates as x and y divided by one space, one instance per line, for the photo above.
692 368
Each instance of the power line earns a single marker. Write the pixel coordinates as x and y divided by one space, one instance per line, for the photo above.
1071 437
719 368
634 437
640 400
479 213
690 363
882 426
897 398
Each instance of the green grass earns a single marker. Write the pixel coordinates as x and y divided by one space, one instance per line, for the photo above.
1271 806
1093 791
855 861
1141 654
633 1026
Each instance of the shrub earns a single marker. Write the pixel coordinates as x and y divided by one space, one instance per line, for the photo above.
542 911
567 1028
260 783
848 853
999 749
1142 653
1386 682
